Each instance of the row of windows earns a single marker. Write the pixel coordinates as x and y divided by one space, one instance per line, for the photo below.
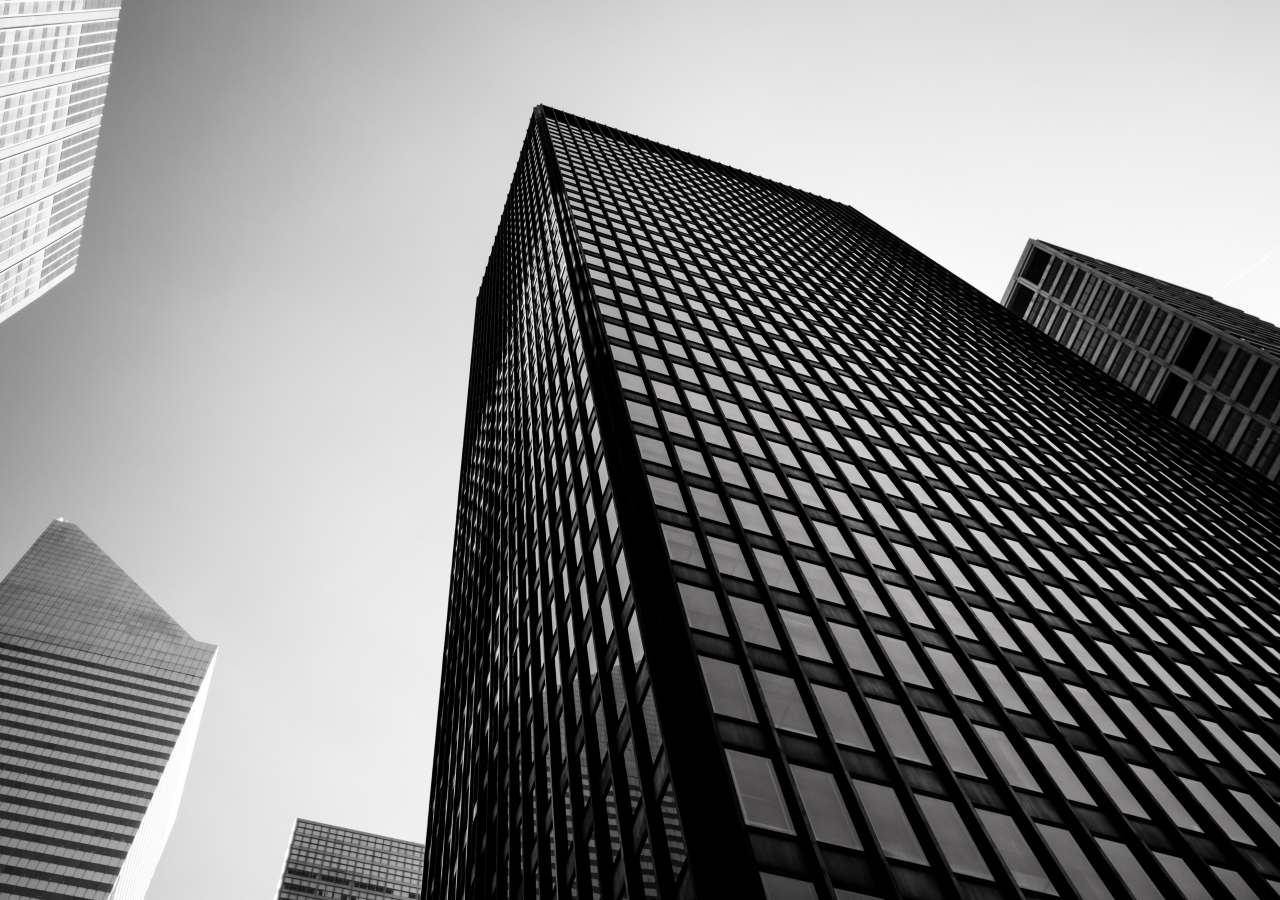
39 51
47 7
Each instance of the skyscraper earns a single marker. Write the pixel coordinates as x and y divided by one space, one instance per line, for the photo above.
789 565
1214 367
102 694
55 56
327 861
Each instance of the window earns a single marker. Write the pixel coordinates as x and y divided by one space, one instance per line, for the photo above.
1006 758
897 731
758 791
751 516
701 609
753 622
693 461
728 556
1016 852
666 493
1000 686
889 822
776 573
904 662
842 718
825 809
951 615
820 582
709 505
786 707
952 744
727 689
804 635
682 546
953 836
909 606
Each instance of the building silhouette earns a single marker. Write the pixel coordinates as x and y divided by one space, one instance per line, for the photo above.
55 58
327 861
788 565
1214 367
102 694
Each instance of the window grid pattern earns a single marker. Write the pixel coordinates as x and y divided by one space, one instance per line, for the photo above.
49 129
549 777
970 620
38 51
1215 368
325 861
841 432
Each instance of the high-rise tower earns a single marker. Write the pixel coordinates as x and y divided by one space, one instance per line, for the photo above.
1214 367
328 861
788 565
102 694
55 56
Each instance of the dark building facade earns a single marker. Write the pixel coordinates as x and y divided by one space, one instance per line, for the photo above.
1215 368
101 694
325 861
788 565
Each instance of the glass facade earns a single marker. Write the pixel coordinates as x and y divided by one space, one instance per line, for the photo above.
788 565
1215 368
327 861
102 695
55 58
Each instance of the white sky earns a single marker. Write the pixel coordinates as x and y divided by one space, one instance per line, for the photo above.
251 392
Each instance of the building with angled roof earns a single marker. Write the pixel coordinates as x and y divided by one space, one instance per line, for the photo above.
789 566
102 694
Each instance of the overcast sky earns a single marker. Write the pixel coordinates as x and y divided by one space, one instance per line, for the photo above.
251 392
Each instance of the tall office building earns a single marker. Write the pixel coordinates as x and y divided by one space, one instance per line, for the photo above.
788 565
55 56
102 694
1215 368
327 861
